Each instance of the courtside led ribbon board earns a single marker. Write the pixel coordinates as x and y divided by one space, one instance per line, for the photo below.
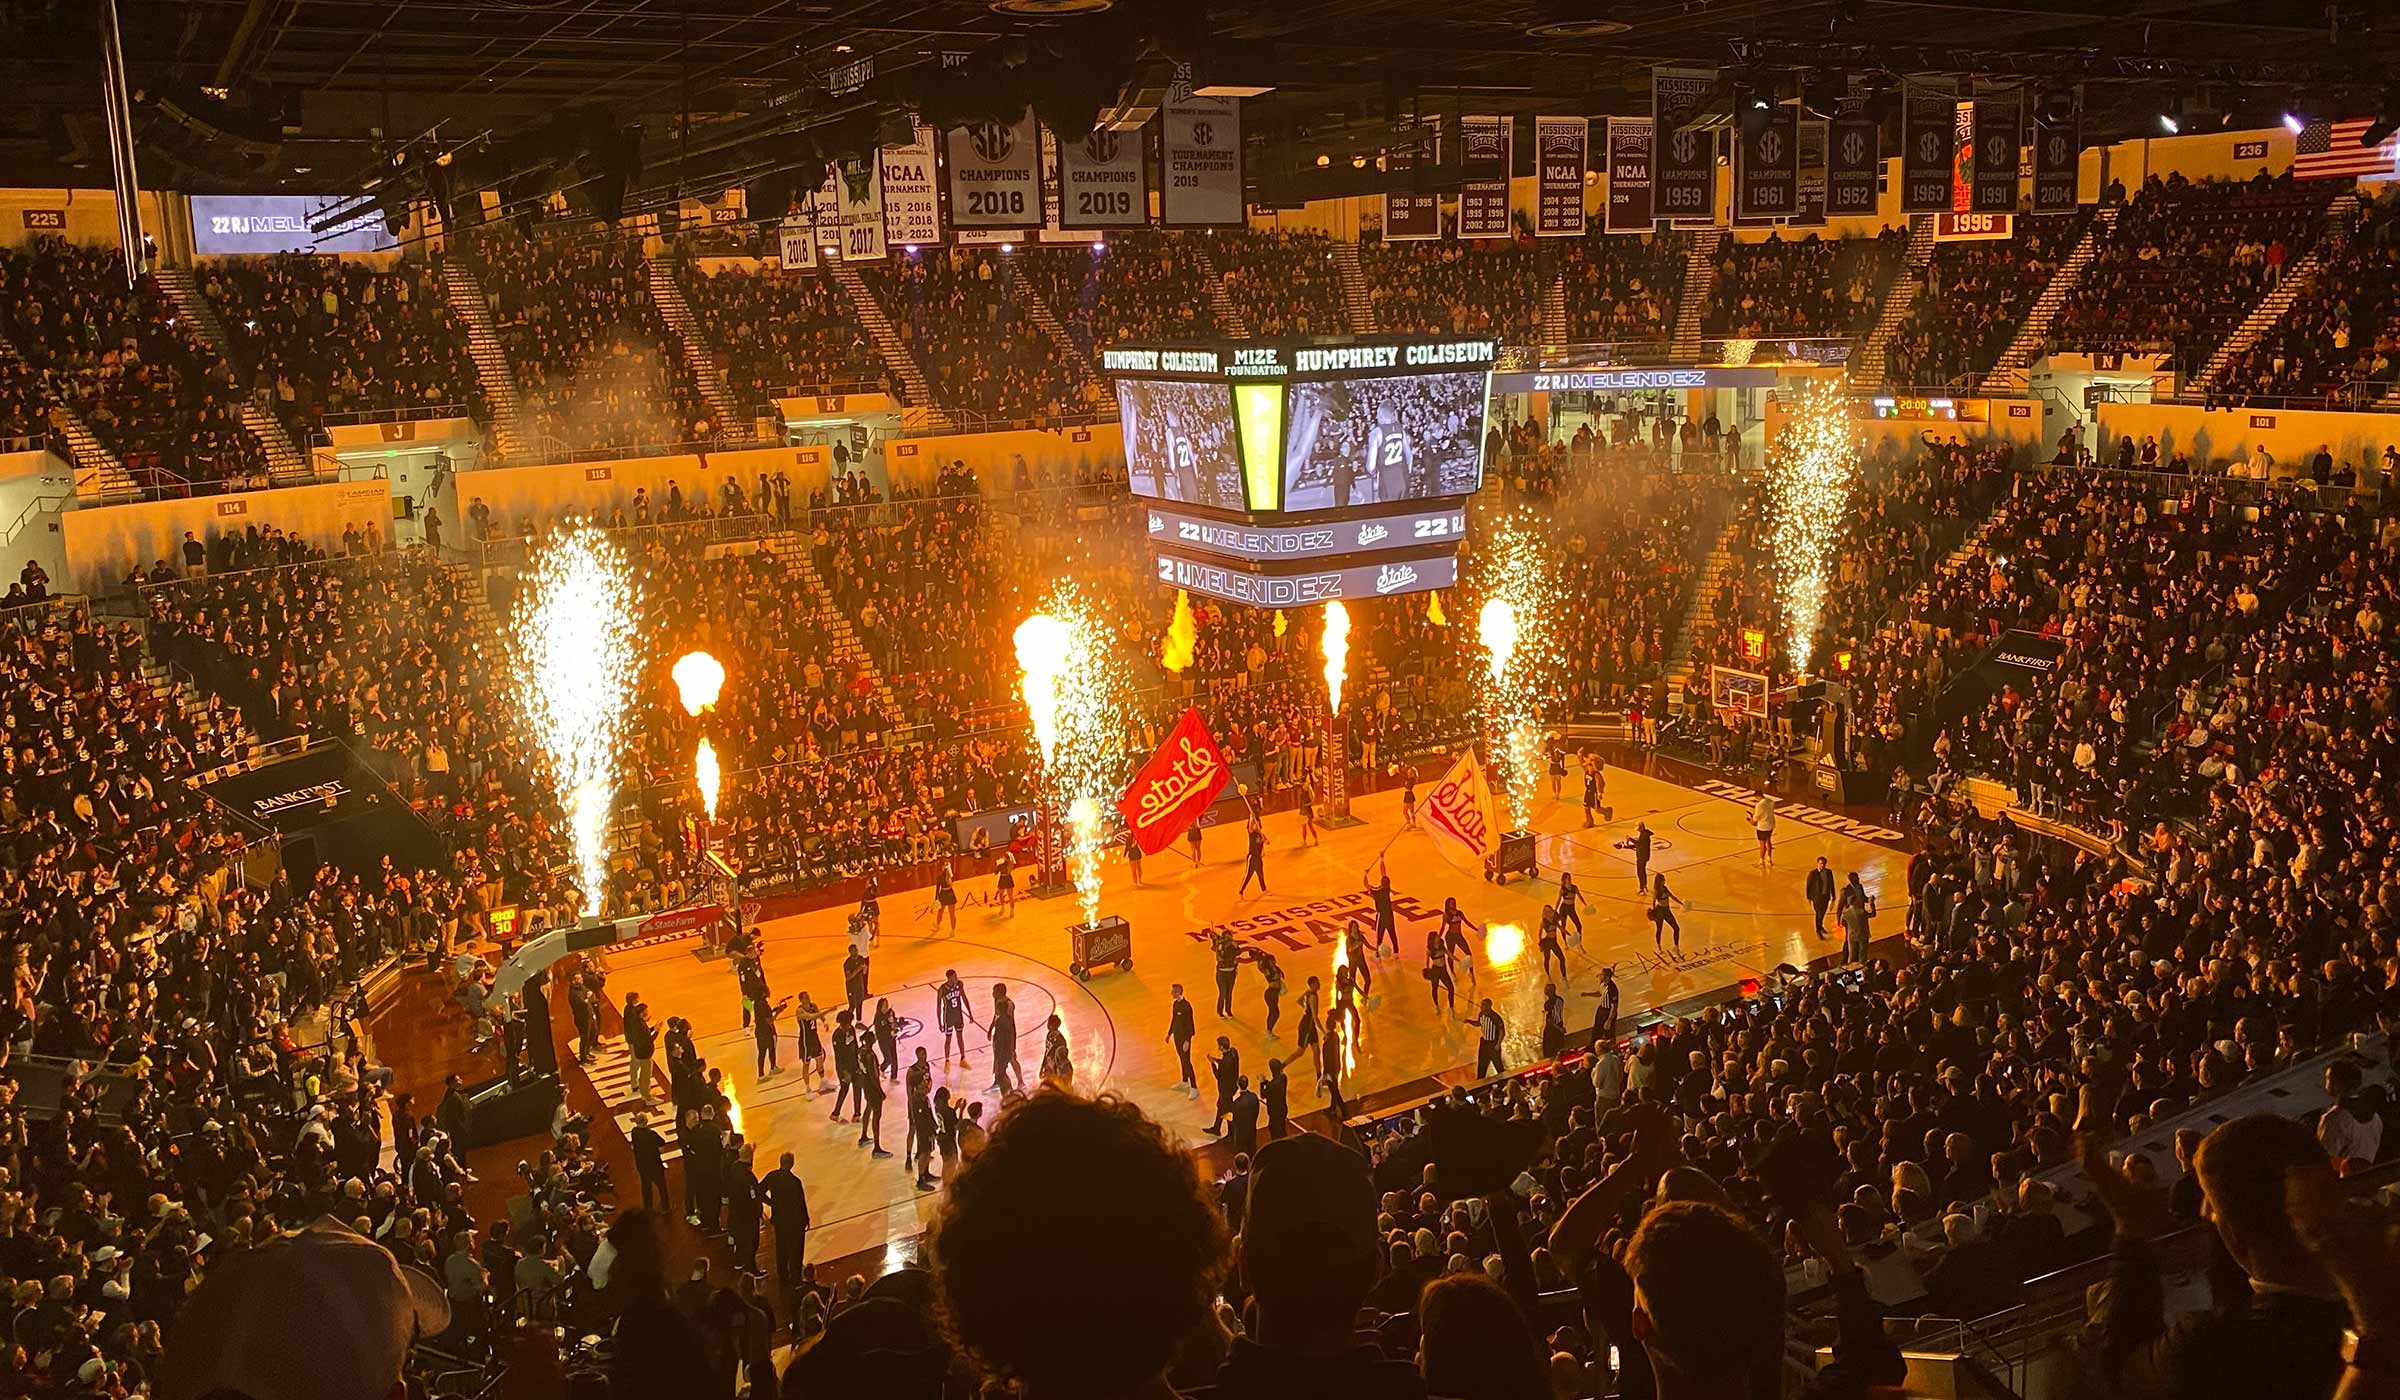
1561 146
1460 807
995 174
1175 786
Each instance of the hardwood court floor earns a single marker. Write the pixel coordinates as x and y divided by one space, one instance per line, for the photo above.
1743 922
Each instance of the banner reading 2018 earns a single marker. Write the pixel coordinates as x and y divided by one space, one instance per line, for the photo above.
995 174
1201 151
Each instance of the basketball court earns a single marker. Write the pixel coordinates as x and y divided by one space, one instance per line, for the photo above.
1743 921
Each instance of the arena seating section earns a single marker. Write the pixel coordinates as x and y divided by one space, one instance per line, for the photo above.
975 338
1807 286
1623 287
775 330
1139 285
330 336
1975 294
2340 329
1435 288
1283 284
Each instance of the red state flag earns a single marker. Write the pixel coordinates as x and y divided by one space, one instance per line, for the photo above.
1175 786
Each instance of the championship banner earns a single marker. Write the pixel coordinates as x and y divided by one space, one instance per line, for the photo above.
798 243
912 201
1628 145
1962 159
1407 213
995 174
1561 146
1994 185
858 218
1766 166
1853 166
1684 162
1812 175
1486 152
2057 152
1103 180
1460 807
1200 148
1175 786
1926 139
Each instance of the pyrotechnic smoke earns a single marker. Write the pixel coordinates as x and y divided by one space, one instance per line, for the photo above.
699 680
1809 476
704 772
573 631
1042 645
1336 646
1080 693
1522 660
1433 609
1183 635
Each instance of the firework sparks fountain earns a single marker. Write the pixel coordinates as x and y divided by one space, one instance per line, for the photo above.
573 634
1076 691
1520 659
1809 476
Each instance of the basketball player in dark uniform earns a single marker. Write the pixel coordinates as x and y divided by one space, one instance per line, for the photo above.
1391 456
952 1014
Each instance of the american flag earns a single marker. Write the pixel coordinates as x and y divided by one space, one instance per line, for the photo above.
2330 151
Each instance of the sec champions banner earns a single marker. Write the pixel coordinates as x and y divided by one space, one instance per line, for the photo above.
995 174
1927 137
1487 152
1684 162
1200 148
1460 807
1102 180
1560 148
2057 151
1175 786
1766 175
1853 163
1994 184
1628 147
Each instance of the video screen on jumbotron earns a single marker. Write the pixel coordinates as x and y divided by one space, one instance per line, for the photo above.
1383 440
1179 442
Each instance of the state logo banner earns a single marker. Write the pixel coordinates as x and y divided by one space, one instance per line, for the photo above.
1175 786
1460 807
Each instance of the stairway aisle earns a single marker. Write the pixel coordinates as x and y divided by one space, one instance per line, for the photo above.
1691 304
1554 309
1037 310
492 369
1867 366
96 471
791 549
1358 302
2340 216
287 464
1701 615
2007 374
1230 320
897 357
666 293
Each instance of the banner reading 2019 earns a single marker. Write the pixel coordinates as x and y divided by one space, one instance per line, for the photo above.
1201 151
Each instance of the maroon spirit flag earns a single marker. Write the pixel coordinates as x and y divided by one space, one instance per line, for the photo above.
1175 786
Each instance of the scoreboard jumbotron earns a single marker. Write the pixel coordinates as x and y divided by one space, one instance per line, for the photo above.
1283 473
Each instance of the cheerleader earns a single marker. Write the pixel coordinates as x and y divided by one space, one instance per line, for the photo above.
1133 856
1554 1023
1408 798
1273 973
945 899
870 912
1662 911
805 1016
1308 815
1356 944
1007 885
887 1037
1550 946
1304 1034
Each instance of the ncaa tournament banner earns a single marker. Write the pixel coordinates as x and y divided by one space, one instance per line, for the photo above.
1926 137
2057 151
1486 152
1052 230
858 217
995 174
798 243
1683 162
1200 148
1408 214
1628 145
1766 167
1175 786
912 201
1993 187
1561 146
1103 180
1812 175
1853 166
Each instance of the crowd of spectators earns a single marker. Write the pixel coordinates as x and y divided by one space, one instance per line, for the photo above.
1134 285
595 365
774 330
2340 327
327 335
1806 286
1621 287
2187 261
112 354
1974 295
1284 284
1484 287
960 311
